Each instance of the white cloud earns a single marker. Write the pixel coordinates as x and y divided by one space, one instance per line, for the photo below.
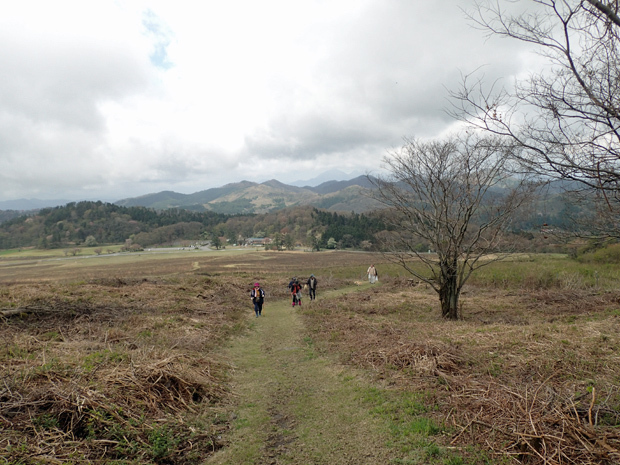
115 99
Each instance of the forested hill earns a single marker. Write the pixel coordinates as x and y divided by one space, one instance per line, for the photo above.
98 223
105 222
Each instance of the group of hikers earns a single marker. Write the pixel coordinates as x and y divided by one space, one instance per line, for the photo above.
295 287
257 294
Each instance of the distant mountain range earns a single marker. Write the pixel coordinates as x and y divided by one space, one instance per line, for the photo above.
251 197
30 204
322 191
331 175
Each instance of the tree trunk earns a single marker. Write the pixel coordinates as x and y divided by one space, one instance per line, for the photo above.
449 297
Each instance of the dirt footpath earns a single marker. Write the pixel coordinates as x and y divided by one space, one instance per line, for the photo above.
293 406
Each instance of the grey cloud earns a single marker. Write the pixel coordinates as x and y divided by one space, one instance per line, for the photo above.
313 134
387 77
383 74
63 82
52 132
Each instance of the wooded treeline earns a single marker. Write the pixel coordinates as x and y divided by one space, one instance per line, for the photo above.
98 223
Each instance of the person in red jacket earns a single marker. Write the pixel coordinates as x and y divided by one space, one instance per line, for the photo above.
295 289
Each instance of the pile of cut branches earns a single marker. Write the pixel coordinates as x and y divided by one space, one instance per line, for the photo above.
116 369
538 423
120 411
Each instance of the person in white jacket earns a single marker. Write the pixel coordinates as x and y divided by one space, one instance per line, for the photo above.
372 274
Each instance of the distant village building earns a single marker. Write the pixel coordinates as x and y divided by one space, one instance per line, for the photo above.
257 241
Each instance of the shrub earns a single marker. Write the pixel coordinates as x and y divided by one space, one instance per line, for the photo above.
609 254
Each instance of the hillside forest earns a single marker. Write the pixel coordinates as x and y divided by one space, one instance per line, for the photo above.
98 224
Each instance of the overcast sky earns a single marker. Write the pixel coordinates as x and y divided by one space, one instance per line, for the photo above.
114 99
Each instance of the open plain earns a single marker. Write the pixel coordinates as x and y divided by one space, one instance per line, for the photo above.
158 358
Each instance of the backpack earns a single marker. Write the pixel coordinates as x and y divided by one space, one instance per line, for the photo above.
259 295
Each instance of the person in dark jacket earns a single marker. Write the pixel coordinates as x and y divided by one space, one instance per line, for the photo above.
258 298
312 284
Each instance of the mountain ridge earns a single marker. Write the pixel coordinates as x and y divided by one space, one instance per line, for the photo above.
241 197
250 197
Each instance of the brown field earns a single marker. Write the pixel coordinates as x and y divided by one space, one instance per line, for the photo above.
110 357
530 376
116 359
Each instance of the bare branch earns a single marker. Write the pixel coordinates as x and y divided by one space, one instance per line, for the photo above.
457 195
566 120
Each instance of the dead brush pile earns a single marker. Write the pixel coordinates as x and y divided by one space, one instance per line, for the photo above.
115 369
531 377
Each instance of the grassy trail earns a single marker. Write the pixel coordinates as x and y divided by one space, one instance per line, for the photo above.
293 406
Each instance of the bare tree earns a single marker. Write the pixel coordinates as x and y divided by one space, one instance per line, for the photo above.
457 196
566 119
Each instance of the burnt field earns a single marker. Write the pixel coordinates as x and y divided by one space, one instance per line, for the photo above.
118 359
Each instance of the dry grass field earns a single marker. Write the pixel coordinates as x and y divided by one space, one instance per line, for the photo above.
117 359
527 375
113 358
